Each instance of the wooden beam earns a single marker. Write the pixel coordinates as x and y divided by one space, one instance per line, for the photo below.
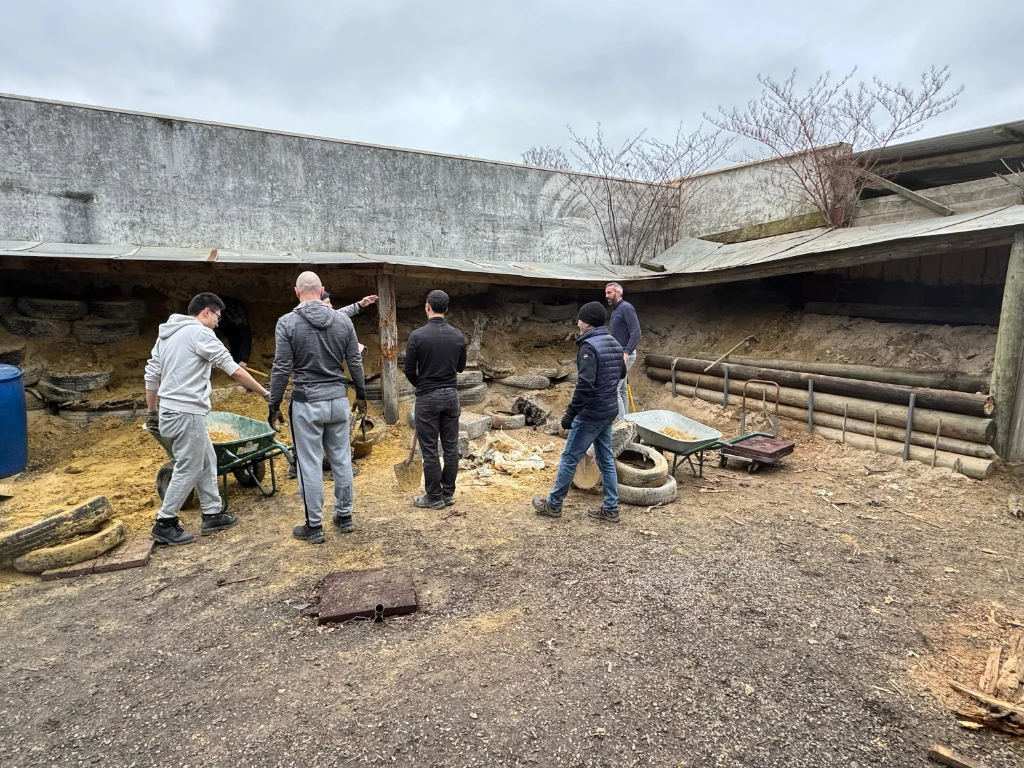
948 757
768 229
388 346
914 197
1010 133
1006 367
953 159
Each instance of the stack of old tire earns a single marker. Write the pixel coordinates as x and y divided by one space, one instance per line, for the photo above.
67 537
109 321
470 385
641 471
535 378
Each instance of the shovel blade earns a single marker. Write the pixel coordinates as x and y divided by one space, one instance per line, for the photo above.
409 473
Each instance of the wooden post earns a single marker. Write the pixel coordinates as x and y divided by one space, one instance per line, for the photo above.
846 413
388 346
938 436
1006 366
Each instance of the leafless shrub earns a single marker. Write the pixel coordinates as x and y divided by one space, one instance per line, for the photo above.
814 133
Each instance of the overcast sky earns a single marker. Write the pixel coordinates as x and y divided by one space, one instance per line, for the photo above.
490 79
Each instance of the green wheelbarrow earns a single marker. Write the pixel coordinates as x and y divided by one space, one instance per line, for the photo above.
244 448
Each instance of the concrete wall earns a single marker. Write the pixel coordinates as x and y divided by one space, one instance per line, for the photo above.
77 174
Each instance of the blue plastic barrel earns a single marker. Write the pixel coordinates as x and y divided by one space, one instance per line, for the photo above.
13 421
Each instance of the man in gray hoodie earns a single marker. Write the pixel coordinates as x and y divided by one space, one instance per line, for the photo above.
312 343
177 400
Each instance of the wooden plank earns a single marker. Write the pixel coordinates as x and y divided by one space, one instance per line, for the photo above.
997 259
944 315
768 229
388 346
349 595
1008 362
973 269
69 571
914 197
931 269
1011 675
987 683
989 701
132 553
952 759
951 268
953 159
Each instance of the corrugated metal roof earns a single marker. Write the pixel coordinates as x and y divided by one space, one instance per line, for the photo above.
730 261
528 272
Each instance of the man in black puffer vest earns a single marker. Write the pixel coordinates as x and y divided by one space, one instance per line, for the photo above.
589 417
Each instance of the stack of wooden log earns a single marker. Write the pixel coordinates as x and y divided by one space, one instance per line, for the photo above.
938 417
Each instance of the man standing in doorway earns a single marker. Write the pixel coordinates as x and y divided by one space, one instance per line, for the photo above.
434 355
312 343
624 326
589 417
177 400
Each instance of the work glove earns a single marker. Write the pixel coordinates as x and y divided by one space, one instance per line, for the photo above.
274 416
153 422
567 421
359 409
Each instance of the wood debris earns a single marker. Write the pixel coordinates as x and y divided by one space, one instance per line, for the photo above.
1000 689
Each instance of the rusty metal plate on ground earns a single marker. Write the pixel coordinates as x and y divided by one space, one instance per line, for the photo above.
358 595
761 448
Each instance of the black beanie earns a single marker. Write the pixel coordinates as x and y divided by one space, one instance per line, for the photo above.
592 313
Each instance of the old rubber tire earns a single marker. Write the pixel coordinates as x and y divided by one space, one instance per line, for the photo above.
259 470
34 401
6 305
103 331
556 312
56 528
85 381
527 381
59 395
73 552
376 429
647 497
520 309
119 309
468 379
373 388
496 369
163 479
12 351
33 373
547 373
473 395
52 309
653 473
36 328
500 420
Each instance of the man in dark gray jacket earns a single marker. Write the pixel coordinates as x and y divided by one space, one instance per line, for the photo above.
312 342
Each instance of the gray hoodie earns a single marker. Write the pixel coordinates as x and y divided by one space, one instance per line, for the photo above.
312 343
182 358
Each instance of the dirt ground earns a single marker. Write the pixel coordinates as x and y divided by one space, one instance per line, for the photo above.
804 616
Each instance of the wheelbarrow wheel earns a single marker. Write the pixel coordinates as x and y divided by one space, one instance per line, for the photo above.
258 472
163 479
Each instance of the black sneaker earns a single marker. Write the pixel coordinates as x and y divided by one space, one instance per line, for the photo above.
544 509
344 523
218 522
449 501
292 474
312 535
424 502
167 531
604 515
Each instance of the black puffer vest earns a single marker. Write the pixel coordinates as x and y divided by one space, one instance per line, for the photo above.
604 404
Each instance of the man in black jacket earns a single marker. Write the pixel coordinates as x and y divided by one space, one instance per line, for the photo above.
594 406
434 355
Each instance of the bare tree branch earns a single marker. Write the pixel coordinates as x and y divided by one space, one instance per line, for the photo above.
547 157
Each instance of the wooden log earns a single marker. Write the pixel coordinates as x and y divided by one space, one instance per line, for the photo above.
989 701
1006 374
388 325
932 379
956 425
935 399
948 757
1011 676
990 677
943 315
975 468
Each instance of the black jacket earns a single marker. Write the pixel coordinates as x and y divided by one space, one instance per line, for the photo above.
600 368
433 355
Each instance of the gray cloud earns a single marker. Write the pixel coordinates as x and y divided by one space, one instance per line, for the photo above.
489 79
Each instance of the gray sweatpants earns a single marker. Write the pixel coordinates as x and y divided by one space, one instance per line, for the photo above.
316 428
623 392
195 463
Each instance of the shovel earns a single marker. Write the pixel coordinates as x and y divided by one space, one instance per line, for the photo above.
408 473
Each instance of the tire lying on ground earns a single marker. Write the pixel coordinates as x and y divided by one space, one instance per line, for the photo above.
556 311
56 528
84 381
52 309
59 395
34 401
547 373
647 497
104 331
119 309
73 552
469 378
33 373
520 309
6 304
473 395
527 381
36 328
12 351
502 420
373 388
496 369
641 466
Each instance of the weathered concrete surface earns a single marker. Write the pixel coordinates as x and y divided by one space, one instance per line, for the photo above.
80 174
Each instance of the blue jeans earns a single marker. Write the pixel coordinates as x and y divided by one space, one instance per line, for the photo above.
582 435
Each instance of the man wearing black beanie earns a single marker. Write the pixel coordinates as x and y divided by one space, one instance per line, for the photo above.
589 417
